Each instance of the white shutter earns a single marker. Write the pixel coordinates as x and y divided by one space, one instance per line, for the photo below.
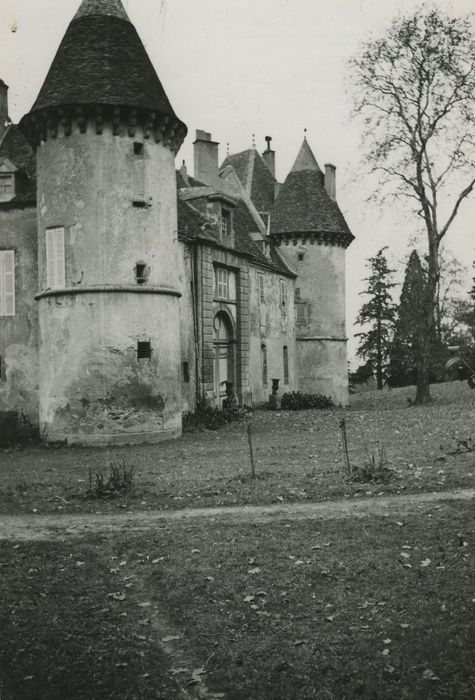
55 263
7 283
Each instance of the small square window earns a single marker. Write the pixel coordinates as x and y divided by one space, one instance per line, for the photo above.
141 273
138 148
144 350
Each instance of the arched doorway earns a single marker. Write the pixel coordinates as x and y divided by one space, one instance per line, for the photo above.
224 355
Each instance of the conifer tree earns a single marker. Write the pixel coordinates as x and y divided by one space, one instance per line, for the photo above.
407 342
377 314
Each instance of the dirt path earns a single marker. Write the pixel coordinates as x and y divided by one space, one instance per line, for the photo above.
50 527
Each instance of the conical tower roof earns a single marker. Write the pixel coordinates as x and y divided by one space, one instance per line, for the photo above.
305 159
303 205
101 61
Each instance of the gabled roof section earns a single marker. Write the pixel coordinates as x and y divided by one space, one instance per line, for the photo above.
305 159
255 177
102 61
304 206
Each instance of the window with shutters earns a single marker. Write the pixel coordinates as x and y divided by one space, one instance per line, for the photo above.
7 282
55 263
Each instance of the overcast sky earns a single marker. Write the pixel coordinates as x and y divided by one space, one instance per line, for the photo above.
243 67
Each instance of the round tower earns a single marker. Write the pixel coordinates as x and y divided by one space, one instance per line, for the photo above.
108 301
312 233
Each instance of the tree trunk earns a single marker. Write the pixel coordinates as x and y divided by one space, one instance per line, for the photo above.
428 329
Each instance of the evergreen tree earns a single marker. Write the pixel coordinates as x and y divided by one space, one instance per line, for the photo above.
377 314
407 341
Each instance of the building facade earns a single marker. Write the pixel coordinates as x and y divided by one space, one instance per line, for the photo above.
131 292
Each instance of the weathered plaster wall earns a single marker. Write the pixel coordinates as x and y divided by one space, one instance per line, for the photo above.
88 183
93 389
321 327
272 325
323 369
19 333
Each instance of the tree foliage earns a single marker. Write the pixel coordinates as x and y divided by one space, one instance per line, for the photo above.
415 91
405 348
377 316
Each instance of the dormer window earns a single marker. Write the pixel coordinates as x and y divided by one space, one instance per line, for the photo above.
7 186
7 180
225 222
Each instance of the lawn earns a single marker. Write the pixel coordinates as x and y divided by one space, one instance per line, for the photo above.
298 457
367 608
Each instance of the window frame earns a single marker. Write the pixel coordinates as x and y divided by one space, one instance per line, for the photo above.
55 251
5 255
7 196
225 222
222 284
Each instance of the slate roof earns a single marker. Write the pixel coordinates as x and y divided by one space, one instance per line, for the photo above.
193 224
102 61
303 205
16 149
255 177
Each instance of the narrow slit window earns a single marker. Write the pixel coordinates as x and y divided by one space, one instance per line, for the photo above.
140 204
262 296
55 260
144 350
283 294
141 273
264 364
225 222
138 148
186 372
285 354
7 282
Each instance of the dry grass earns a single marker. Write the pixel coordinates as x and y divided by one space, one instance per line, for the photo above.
298 457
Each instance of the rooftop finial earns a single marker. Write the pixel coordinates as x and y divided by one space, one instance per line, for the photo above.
305 134
253 140
227 149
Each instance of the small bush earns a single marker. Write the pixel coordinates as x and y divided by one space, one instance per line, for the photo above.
119 481
374 470
296 401
210 418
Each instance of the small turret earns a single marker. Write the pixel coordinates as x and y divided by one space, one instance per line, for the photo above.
313 234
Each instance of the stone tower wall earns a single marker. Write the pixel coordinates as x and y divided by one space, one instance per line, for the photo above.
320 316
117 204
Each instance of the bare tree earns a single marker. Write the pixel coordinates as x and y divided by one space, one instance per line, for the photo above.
415 91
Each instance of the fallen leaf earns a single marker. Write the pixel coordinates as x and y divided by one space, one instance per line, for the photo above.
429 675
426 562
249 599
146 604
406 555
172 638
117 596
385 652
299 642
255 570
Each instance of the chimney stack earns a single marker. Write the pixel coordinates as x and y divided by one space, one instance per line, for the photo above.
269 156
206 158
4 118
330 180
